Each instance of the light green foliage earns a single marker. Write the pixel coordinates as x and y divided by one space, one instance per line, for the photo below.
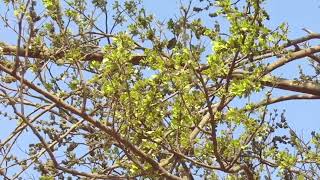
46 178
285 160
151 109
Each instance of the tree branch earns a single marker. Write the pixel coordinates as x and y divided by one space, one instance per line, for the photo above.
10 50
290 57
95 123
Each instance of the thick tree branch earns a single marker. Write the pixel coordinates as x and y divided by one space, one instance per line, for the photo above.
205 119
290 57
269 101
302 39
290 85
10 50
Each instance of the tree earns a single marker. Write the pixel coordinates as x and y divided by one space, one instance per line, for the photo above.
97 91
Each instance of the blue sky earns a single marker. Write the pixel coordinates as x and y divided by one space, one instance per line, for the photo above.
302 115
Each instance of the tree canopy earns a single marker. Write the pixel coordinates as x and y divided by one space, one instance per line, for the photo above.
105 90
